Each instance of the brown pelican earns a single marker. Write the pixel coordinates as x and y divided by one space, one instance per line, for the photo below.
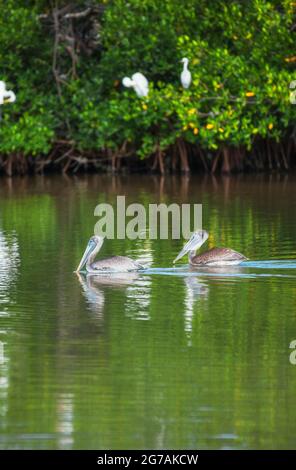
112 264
213 257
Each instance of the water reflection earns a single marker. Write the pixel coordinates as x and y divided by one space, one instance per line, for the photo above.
65 426
9 263
4 375
138 296
218 272
136 287
81 370
94 296
196 289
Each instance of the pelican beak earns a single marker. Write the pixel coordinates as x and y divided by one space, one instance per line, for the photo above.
88 250
193 244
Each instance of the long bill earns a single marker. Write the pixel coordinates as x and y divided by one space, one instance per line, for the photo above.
193 244
84 258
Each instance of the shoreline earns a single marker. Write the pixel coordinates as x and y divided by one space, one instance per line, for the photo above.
180 158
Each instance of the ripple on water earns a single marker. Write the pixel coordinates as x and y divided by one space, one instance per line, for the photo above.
247 270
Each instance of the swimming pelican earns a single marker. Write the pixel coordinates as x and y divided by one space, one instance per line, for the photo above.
138 82
6 96
112 264
213 257
186 74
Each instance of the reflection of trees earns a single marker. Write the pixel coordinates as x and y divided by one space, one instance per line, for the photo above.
233 208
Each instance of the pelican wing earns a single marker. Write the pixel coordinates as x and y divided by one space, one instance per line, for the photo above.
218 256
115 264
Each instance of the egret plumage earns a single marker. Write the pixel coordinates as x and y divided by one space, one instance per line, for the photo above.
138 82
6 96
111 264
213 257
186 74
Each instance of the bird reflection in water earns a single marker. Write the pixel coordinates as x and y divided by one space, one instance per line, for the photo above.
196 289
94 287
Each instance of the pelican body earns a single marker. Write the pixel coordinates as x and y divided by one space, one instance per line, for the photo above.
213 257
112 264
186 74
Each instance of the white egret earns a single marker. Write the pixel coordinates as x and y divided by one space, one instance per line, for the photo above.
6 96
186 74
138 82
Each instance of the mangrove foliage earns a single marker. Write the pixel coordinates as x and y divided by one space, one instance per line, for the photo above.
65 62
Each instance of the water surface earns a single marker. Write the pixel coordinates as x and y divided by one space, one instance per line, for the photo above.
169 358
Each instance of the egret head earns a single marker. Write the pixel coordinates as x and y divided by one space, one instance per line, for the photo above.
127 82
93 246
196 240
185 60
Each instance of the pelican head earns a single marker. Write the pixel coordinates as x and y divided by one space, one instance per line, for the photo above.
94 245
196 240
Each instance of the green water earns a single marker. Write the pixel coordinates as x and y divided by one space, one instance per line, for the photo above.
158 360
